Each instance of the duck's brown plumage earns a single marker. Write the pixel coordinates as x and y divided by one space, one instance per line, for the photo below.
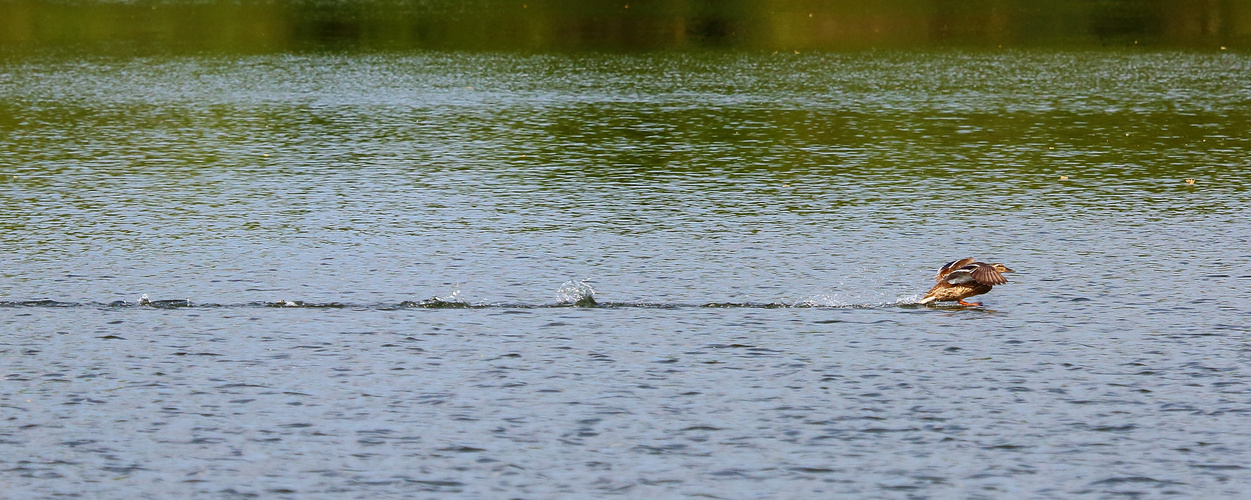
964 278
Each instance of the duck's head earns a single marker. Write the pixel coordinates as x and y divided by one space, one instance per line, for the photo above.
1002 268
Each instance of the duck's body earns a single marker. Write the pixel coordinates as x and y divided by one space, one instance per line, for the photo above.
964 278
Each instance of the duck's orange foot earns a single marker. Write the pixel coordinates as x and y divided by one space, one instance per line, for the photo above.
963 303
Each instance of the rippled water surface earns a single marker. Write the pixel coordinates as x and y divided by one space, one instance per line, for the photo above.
674 274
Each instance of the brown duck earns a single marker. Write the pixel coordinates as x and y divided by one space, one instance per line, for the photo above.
964 278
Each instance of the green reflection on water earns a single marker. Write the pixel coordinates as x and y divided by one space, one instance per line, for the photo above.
1014 121
106 148
270 26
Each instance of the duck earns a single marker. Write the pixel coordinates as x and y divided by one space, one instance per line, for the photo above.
964 278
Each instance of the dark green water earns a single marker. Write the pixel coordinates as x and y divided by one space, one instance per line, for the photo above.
269 26
364 263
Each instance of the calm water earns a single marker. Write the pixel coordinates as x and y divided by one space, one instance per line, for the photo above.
363 269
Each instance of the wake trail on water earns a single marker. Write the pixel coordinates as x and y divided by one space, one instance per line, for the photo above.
572 293
585 302
435 304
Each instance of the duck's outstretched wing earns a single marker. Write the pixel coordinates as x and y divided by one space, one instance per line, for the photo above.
952 266
980 272
986 274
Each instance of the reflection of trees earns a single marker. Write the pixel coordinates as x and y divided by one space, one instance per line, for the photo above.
623 24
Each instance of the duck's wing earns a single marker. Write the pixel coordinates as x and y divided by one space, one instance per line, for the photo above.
985 274
959 276
952 266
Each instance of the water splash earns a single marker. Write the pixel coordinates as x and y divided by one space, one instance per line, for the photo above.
856 301
451 297
578 293
908 300
145 301
452 300
302 304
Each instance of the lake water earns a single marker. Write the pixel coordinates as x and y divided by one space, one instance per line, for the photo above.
370 274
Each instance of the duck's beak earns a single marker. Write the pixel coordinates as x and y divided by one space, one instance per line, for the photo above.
1005 269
